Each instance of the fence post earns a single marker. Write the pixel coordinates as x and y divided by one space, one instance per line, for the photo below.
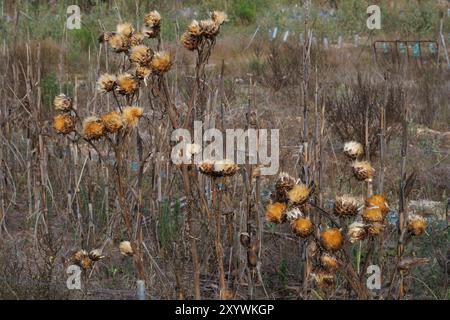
140 290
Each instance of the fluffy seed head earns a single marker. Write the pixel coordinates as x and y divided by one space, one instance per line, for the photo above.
78 256
294 214
346 205
416 224
356 232
353 149
219 17
137 39
299 194
209 28
206 167
125 29
189 41
143 72
96 255
375 228
62 103
275 212
125 248
93 128
331 239
131 115
127 84
224 168
152 19
63 124
105 36
112 121
378 201
106 82
141 55
194 29
161 62
329 262
119 43
302 227
323 279
372 214
86 263
363 170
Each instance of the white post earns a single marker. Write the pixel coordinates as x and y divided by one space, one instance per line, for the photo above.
140 292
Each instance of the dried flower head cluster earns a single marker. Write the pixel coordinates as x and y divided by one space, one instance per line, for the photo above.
86 260
126 249
152 24
416 224
208 29
276 212
218 168
354 150
363 170
63 122
346 205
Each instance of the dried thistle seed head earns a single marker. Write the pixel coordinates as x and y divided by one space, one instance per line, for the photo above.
363 170
96 255
225 168
161 62
125 29
112 121
375 228
356 232
93 128
299 194
416 224
372 214
346 205
206 167
353 149
285 182
105 36
86 263
194 29
189 41
245 239
323 279
131 115
219 17
125 248
209 28
331 239
141 55
62 103
106 82
275 212
379 201
150 32
152 19
302 227
329 262
294 214
126 84
137 39
63 124
142 72
79 255
119 43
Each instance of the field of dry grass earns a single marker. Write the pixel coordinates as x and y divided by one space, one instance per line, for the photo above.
103 194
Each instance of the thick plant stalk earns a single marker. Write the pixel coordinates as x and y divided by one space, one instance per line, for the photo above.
218 238
401 204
